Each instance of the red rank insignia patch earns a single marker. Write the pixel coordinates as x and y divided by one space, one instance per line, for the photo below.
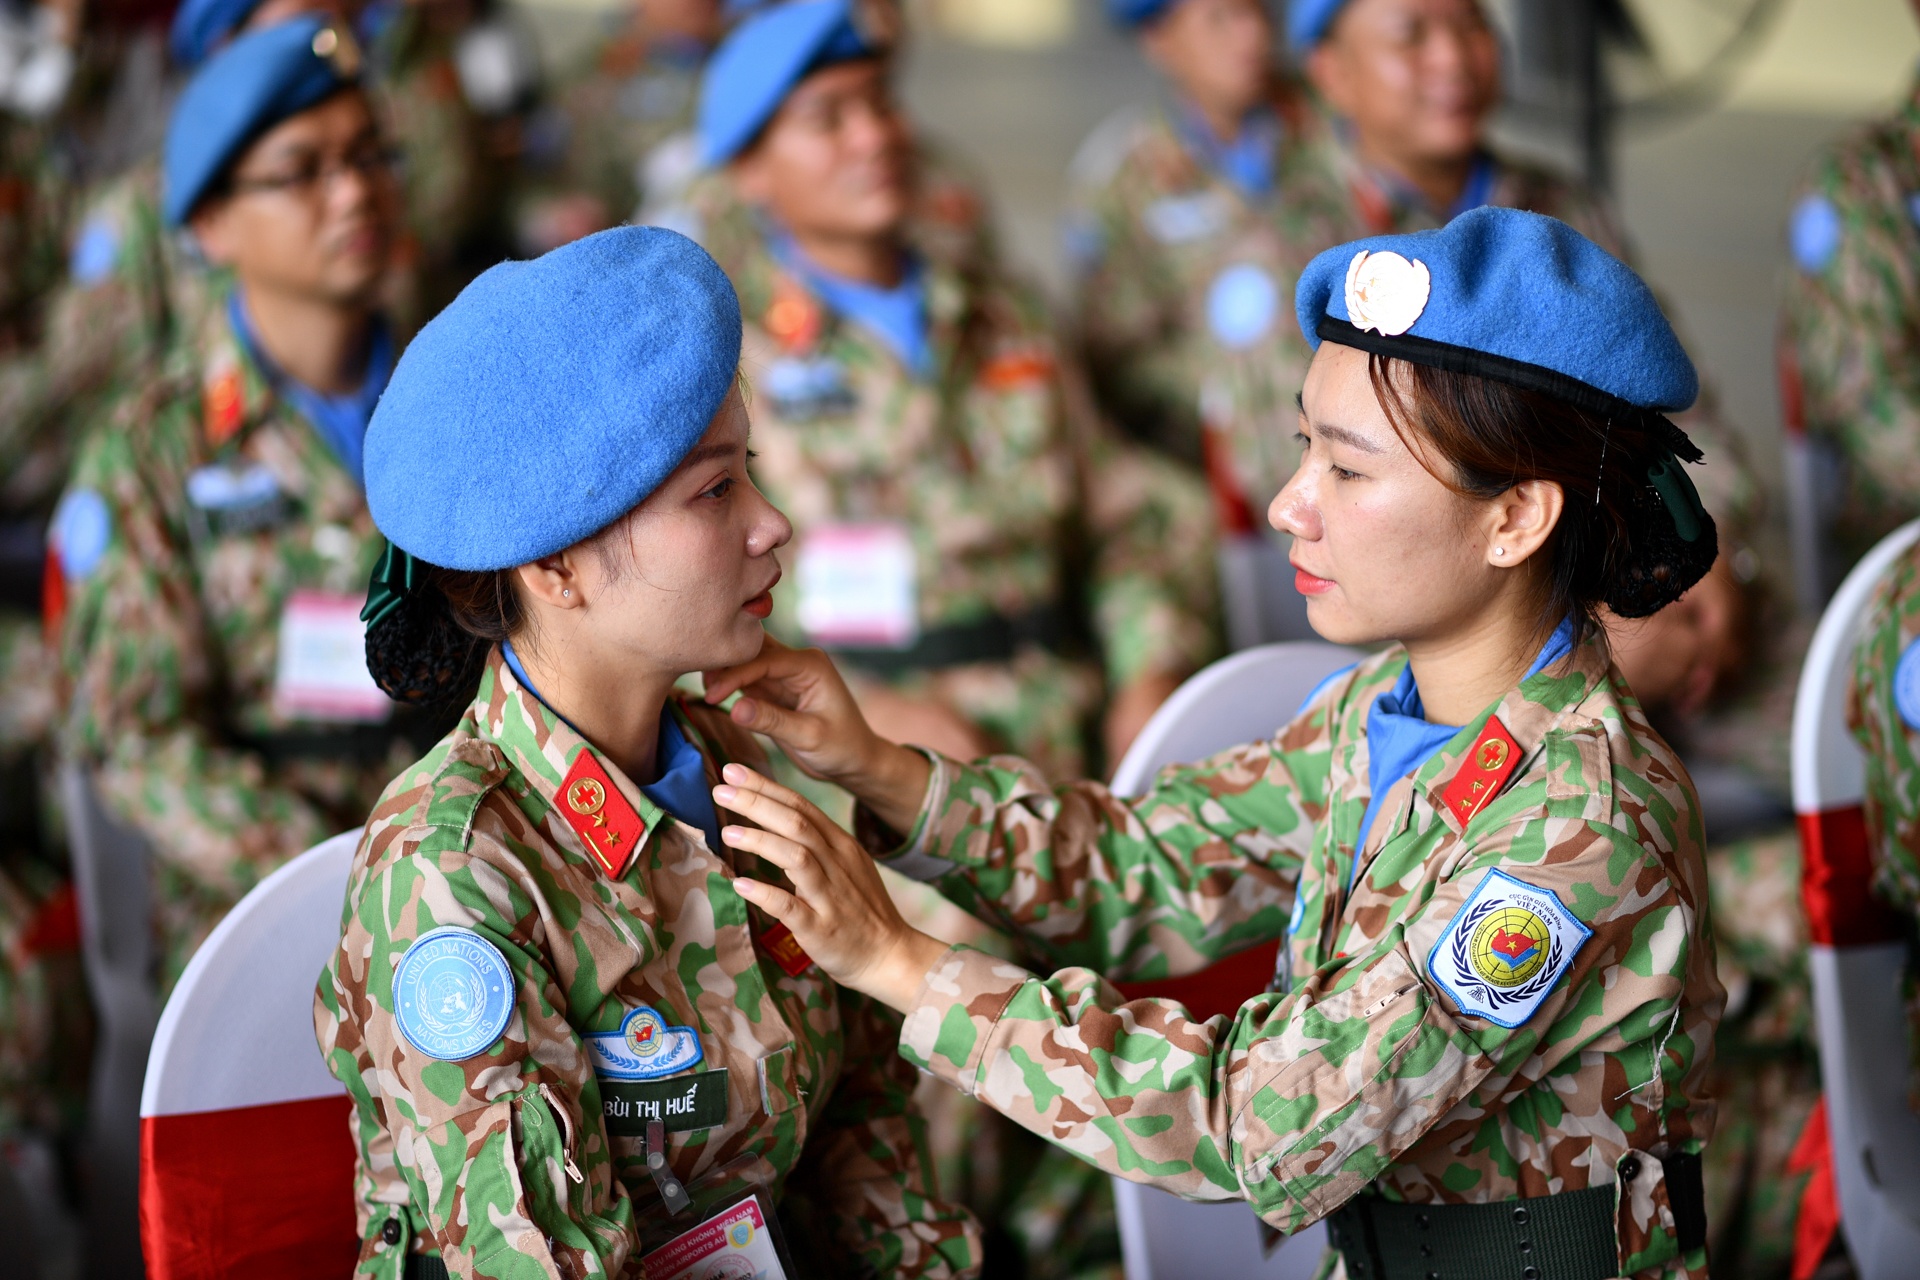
1482 773
222 402
600 815
784 950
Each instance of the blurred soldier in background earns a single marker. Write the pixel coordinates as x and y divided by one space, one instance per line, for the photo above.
1191 221
1850 330
1000 572
617 132
214 546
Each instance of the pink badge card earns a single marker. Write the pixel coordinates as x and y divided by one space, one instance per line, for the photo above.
734 1244
322 669
859 586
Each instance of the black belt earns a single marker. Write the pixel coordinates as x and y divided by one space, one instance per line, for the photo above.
421 1266
1569 1236
994 638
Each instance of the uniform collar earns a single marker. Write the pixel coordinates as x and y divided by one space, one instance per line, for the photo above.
1249 163
235 392
608 814
1386 202
1520 721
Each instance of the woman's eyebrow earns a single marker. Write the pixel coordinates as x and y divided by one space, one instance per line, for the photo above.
1352 439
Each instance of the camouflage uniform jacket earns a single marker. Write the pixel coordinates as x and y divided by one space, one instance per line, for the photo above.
1887 735
171 637
469 1155
1185 295
1850 323
1364 1069
1012 494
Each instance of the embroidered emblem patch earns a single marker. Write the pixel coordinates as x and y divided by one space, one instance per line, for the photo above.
600 815
1482 773
784 950
1501 956
81 531
644 1048
1241 305
452 994
1814 233
1906 686
1386 292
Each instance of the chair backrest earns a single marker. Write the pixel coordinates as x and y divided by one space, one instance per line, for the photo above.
246 1152
112 888
1856 959
1243 698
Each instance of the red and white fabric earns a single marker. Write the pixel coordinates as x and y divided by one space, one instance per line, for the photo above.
1243 698
246 1157
1872 1137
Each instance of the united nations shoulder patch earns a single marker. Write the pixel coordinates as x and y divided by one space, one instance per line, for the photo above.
452 993
1502 955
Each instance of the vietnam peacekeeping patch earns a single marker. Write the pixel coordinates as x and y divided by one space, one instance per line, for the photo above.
1502 954
644 1048
1906 685
452 993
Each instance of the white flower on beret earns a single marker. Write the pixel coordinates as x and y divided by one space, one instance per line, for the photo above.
1386 292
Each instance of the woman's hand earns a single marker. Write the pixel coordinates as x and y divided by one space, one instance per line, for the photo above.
797 698
839 909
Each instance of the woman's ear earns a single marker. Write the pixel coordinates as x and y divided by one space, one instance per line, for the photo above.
1519 521
553 580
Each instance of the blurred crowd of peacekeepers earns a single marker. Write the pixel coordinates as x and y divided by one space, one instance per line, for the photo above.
1185 217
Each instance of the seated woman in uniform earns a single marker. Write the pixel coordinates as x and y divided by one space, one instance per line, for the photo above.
568 1040
214 542
1485 1047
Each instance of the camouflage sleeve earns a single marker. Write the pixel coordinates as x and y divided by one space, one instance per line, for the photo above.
1300 1100
143 670
1203 866
505 1156
1888 738
867 1159
1152 585
1848 326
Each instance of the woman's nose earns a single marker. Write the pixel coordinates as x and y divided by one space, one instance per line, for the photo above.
771 531
1292 509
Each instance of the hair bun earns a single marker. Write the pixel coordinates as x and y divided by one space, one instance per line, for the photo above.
420 656
1661 566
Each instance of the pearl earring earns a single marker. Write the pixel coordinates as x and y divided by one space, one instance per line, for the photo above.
567 595
1499 551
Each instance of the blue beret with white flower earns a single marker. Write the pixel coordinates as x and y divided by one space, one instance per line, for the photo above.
1502 293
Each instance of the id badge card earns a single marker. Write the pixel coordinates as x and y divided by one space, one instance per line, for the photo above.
322 669
858 586
740 1242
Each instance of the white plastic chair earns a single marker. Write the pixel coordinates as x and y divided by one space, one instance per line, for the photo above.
1856 968
112 884
246 1151
1244 698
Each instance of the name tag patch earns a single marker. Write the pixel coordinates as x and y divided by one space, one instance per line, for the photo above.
1184 219
644 1048
231 499
682 1105
859 586
1503 953
452 993
321 669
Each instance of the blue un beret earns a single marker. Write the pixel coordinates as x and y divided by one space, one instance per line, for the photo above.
550 398
756 67
1307 22
199 25
244 90
1510 295
1134 14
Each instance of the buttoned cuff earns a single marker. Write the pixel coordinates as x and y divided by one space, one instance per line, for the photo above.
951 1022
